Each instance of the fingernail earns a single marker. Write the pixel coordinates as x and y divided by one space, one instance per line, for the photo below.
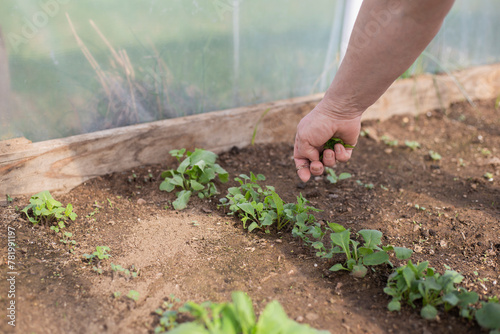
316 170
328 154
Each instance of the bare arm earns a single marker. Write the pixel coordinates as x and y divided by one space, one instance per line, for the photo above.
387 38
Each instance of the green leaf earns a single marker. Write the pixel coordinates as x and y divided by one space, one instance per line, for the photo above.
342 239
184 165
344 176
394 305
372 238
403 253
167 186
278 202
253 226
337 228
489 316
196 185
451 299
338 267
244 311
376 258
428 312
182 200
247 208
189 328
200 154
359 271
409 276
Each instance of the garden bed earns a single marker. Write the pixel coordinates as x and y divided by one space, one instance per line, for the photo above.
446 210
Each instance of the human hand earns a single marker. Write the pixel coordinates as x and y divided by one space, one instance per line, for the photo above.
314 130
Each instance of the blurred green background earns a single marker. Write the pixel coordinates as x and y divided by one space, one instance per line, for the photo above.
176 57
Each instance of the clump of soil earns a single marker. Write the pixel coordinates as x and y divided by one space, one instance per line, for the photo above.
446 210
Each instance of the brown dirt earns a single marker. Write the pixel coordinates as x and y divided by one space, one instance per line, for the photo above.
201 254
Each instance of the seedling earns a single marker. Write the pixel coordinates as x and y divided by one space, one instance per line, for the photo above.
117 294
413 145
101 253
412 283
44 209
261 208
368 186
66 239
8 198
435 155
389 142
488 176
359 257
194 175
333 178
134 295
239 316
133 272
485 152
168 315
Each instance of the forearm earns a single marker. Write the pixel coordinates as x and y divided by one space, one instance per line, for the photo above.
387 38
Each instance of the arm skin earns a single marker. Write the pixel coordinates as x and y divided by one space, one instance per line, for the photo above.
387 38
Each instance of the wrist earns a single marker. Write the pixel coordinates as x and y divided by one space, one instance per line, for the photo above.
339 108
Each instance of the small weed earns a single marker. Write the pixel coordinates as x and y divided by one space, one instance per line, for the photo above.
485 152
93 213
461 162
133 272
117 294
421 208
101 253
389 142
168 314
413 145
8 198
44 209
110 203
194 175
330 144
333 178
368 186
488 176
435 156
134 295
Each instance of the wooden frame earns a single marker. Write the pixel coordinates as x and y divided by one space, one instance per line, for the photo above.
62 164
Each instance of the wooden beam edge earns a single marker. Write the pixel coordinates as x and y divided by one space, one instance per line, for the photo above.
62 164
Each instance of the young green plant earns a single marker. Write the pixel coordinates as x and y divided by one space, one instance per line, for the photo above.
194 175
44 209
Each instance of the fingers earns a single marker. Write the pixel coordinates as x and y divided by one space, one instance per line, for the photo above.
329 158
302 166
342 154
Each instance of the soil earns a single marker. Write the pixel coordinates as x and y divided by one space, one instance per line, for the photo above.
445 210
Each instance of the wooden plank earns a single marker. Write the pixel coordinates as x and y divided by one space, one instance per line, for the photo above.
62 164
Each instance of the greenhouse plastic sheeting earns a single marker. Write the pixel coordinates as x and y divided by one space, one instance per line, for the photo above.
70 67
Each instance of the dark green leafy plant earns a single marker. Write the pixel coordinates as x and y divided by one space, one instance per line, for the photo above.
44 209
168 315
261 208
422 283
358 256
238 317
330 144
488 316
194 175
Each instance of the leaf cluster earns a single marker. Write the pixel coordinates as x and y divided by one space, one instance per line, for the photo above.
412 283
44 209
128 273
194 175
359 255
238 317
261 208
100 253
